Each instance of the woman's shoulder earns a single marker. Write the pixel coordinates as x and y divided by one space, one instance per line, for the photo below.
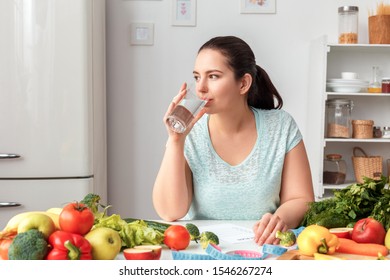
273 114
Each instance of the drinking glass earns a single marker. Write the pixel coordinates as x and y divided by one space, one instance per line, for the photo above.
185 111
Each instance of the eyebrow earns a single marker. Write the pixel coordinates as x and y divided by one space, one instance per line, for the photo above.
209 71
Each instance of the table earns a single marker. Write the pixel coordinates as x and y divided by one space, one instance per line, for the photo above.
225 246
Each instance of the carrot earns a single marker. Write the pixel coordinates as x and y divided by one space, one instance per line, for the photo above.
348 246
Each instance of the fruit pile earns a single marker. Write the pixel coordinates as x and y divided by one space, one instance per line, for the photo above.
81 231
58 234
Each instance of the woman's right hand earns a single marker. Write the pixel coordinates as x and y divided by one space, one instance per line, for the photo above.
175 101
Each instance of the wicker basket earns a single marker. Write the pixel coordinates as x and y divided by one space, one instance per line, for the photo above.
366 166
362 129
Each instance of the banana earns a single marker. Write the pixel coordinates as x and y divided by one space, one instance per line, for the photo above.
14 222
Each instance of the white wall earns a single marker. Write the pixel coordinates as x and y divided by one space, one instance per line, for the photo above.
141 80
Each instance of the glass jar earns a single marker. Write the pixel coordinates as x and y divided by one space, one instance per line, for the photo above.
335 170
338 118
386 85
348 24
377 132
386 132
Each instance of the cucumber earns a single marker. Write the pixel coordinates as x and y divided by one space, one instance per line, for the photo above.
159 226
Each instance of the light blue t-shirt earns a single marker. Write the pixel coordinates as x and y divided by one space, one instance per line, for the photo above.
250 189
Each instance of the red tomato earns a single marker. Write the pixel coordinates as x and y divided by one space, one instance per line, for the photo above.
76 218
177 237
368 230
5 242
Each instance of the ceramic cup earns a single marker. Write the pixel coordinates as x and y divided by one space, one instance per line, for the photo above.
349 75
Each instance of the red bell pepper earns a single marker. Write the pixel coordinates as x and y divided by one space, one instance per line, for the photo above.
69 246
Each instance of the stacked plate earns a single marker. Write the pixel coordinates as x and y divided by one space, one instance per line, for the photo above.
346 85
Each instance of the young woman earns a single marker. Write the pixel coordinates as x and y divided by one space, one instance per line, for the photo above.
242 157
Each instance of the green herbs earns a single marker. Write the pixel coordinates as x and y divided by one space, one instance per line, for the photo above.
370 198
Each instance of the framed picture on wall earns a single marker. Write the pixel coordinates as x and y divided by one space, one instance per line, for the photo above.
258 6
184 12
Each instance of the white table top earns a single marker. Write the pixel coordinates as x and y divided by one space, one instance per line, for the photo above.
225 246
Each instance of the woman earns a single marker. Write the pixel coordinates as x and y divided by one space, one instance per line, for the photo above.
242 157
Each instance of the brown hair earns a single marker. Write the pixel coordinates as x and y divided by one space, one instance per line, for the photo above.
240 57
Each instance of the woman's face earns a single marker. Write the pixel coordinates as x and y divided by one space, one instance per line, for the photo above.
215 81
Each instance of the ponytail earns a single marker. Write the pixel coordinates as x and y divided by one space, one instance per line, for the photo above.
263 93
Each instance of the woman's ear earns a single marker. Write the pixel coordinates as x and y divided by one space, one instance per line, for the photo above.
246 83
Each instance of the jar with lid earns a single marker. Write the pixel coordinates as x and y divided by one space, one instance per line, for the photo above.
348 24
386 85
338 118
386 132
335 170
377 132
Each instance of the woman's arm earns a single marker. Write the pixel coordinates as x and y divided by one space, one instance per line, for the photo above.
296 192
172 192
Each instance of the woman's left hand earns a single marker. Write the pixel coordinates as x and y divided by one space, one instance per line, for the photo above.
265 229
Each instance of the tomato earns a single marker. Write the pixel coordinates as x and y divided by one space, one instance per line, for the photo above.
5 242
76 218
368 230
177 237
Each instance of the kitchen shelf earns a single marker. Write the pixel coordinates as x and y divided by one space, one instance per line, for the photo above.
356 140
327 61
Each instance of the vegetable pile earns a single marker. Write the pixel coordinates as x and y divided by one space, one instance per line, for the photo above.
84 231
360 200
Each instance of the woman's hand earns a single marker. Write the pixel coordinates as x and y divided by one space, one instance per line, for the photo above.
265 229
175 101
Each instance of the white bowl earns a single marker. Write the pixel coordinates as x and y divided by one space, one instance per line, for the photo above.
349 75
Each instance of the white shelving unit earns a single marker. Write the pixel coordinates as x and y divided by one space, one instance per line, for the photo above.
327 61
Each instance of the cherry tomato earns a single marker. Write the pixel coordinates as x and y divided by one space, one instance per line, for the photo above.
5 242
177 237
76 218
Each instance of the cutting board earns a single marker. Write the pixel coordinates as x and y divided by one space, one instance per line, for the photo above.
296 255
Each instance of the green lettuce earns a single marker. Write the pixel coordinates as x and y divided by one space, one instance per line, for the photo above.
132 234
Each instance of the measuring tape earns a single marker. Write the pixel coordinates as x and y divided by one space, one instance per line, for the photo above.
213 253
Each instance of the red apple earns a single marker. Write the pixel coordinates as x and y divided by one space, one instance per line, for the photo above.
342 232
143 252
368 230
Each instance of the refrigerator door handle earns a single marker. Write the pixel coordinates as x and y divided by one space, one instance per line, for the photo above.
9 156
9 204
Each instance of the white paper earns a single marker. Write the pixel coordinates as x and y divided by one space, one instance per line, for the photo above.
230 233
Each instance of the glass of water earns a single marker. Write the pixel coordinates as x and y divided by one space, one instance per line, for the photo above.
185 111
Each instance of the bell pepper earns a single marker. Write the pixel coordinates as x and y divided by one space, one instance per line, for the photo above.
69 246
317 239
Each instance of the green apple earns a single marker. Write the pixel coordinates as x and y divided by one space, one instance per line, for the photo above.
39 221
106 243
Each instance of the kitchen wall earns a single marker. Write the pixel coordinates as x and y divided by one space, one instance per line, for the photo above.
141 80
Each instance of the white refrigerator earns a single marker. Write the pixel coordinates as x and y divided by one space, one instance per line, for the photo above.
52 103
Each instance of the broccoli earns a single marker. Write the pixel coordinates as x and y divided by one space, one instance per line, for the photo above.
29 245
92 201
208 237
194 232
287 238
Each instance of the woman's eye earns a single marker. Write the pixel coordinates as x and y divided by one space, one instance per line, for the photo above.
213 76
